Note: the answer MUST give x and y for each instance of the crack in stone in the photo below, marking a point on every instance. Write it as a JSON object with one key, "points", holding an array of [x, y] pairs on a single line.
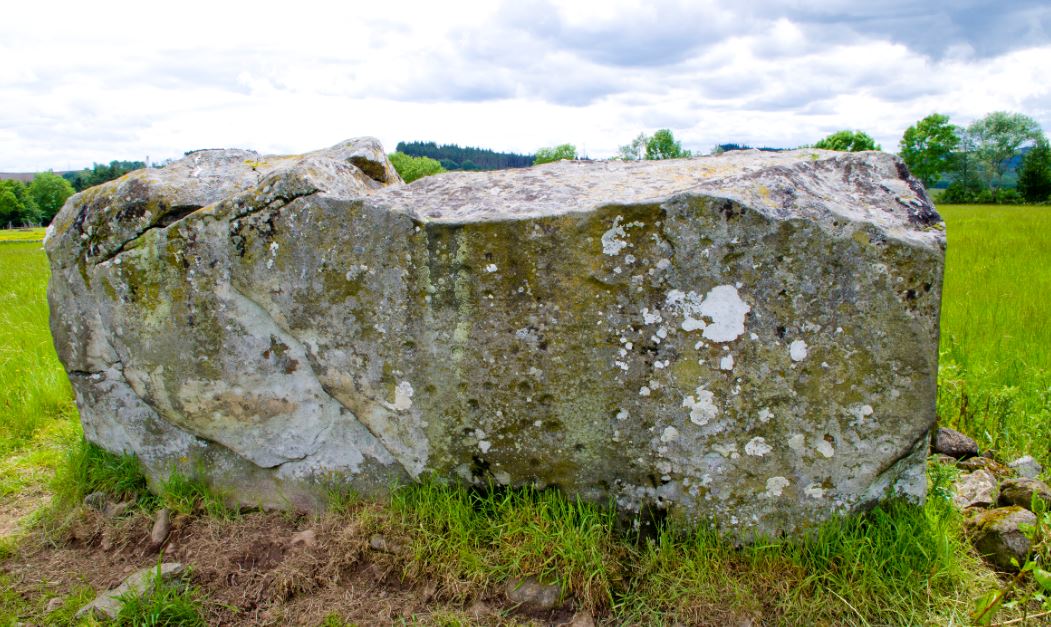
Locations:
{"points": [[289, 336]]}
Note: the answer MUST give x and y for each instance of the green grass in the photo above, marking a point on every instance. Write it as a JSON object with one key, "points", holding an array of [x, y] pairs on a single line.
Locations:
{"points": [[22, 235], [163, 603], [898, 564], [995, 373], [34, 389]]}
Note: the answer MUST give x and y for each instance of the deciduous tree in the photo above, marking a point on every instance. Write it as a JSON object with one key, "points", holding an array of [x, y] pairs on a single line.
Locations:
{"points": [[562, 151], [848, 141], [927, 147], [663, 146], [412, 168], [997, 138], [49, 192], [635, 150]]}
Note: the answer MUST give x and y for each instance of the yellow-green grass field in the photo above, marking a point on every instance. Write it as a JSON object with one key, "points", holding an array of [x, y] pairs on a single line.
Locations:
{"points": [[894, 566], [995, 370]]}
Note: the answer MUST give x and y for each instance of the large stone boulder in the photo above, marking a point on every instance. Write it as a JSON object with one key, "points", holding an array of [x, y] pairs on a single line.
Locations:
{"points": [[750, 337]]}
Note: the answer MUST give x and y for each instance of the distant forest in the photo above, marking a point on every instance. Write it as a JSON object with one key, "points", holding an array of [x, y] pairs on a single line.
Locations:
{"points": [[453, 157], [100, 173]]}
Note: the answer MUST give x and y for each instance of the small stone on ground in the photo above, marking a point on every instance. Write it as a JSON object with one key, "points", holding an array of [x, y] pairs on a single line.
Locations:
{"points": [[954, 444], [531, 594], [1027, 467], [997, 536], [107, 604], [1020, 492], [977, 489]]}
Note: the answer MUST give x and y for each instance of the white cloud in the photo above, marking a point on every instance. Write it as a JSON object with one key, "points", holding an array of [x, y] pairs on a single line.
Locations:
{"points": [[141, 80]]}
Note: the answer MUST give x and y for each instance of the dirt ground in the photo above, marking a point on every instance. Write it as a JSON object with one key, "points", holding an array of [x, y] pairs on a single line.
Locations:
{"points": [[256, 570]]}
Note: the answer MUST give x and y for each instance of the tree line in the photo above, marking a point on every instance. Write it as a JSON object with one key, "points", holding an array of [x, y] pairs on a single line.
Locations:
{"points": [[453, 157], [33, 203], [1002, 157]]}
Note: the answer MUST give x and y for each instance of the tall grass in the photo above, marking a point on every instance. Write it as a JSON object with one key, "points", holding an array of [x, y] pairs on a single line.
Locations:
{"points": [[34, 389], [995, 373]]}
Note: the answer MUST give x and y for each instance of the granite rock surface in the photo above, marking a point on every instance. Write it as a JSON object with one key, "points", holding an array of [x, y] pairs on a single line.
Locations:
{"points": [[750, 337]]}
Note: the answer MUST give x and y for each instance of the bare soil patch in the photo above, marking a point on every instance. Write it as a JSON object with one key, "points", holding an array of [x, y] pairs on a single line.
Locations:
{"points": [[251, 572]]}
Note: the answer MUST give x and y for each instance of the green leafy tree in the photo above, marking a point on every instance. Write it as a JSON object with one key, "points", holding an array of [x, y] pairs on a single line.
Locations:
{"points": [[635, 150], [562, 151], [998, 137], [663, 146], [49, 192], [23, 210], [848, 141], [412, 168], [10, 209], [1034, 177], [927, 147]]}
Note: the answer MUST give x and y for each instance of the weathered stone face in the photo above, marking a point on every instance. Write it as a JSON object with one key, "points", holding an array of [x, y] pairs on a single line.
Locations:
{"points": [[751, 337]]}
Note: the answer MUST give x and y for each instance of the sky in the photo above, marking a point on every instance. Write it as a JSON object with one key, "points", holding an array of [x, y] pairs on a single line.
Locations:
{"points": [[85, 82]]}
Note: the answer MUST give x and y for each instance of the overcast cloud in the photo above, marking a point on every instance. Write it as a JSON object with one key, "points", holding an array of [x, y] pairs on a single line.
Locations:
{"points": [[131, 79]]}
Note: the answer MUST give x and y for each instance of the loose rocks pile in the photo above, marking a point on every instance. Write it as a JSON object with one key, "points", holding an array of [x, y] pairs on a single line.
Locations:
{"points": [[996, 499]]}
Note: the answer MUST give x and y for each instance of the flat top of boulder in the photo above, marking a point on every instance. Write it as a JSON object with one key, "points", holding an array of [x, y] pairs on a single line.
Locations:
{"points": [[816, 184]]}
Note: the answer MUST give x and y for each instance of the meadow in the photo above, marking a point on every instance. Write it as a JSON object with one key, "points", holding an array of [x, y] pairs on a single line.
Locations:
{"points": [[896, 565]]}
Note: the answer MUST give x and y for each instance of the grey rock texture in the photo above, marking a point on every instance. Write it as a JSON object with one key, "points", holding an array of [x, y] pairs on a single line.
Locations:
{"points": [[998, 537], [750, 337], [976, 489], [1026, 466], [1020, 492], [953, 443]]}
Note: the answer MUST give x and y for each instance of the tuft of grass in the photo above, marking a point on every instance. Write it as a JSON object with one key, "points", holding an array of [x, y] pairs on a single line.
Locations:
{"points": [[90, 468], [465, 538], [187, 495], [163, 603], [994, 381]]}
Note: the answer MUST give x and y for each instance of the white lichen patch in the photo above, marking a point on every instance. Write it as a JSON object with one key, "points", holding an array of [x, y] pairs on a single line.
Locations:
{"points": [[765, 415], [757, 447], [650, 317], [611, 242], [670, 434], [726, 450], [775, 486], [491, 268], [797, 442], [644, 391], [722, 305], [692, 324], [825, 448], [814, 491], [726, 363], [702, 407], [484, 445], [402, 396], [273, 255], [860, 412], [797, 350], [727, 311]]}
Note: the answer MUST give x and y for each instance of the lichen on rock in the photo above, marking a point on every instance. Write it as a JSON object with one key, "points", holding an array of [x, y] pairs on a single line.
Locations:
{"points": [[750, 338]]}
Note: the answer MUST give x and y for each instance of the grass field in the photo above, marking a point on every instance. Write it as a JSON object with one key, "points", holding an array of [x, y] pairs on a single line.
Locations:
{"points": [[897, 565], [995, 371]]}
